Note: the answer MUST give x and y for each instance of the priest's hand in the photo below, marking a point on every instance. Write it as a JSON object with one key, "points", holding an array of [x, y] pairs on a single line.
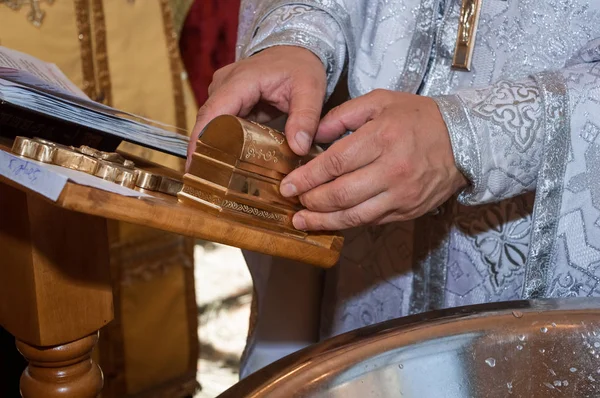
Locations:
{"points": [[280, 79], [397, 165]]}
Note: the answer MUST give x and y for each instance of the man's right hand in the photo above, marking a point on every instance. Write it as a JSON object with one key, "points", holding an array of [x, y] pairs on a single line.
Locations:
{"points": [[281, 79]]}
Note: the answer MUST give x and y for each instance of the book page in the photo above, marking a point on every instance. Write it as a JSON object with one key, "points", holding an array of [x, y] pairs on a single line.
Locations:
{"points": [[30, 71], [29, 83]]}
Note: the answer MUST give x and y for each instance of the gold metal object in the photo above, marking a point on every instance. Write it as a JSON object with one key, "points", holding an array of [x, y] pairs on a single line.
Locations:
{"points": [[106, 165], [108, 156], [236, 170], [155, 182], [467, 31]]}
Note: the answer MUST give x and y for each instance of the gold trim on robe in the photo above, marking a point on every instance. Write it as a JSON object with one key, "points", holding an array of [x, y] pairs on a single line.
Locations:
{"points": [[82, 16]]}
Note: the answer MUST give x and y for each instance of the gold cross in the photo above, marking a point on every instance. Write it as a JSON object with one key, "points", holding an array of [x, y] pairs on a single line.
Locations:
{"points": [[467, 30]]}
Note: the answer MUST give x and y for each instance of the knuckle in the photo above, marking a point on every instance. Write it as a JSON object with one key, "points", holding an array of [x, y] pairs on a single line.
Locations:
{"points": [[221, 73], [403, 169], [308, 114], [201, 112], [378, 93], [387, 137], [306, 181], [242, 75], [211, 88], [334, 164], [340, 197], [353, 219], [412, 196], [217, 75], [333, 112]]}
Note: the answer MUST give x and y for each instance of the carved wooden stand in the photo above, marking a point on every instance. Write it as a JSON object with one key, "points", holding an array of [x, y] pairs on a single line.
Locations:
{"points": [[55, 292]]}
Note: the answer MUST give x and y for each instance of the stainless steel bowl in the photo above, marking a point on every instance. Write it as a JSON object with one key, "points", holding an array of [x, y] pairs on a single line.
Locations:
{"points": [[546, 348]]}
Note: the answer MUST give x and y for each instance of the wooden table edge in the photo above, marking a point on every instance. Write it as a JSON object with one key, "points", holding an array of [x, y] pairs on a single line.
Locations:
{"points": [[166, 213]]}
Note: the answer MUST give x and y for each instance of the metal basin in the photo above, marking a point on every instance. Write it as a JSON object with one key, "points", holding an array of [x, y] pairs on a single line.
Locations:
{"points": [[545, 348]]}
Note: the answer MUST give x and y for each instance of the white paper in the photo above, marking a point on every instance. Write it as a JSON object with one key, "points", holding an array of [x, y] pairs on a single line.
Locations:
{"points": [[49, 180], [32, 175], [30, 70]]}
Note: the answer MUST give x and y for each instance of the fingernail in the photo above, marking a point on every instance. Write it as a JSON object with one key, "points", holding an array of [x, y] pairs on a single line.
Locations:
{"points": [[303, 140], [288, 189], [299, 222]]}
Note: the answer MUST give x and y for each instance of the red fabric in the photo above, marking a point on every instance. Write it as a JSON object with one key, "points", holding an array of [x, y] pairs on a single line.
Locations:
{"points": [[208, 40]]}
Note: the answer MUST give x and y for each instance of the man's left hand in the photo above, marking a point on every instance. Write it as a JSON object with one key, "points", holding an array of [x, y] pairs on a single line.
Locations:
{"points": [[397, 165]]}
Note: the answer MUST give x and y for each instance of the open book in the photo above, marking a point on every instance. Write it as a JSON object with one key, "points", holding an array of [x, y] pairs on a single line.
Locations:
{"points": [[31, 89]]}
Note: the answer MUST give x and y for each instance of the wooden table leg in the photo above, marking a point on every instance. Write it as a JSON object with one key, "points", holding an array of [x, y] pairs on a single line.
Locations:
{"points": [[55, 293], [53, 371]]}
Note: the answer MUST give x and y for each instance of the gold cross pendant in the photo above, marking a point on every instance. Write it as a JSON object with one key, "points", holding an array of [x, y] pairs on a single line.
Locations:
{"points": [[467, 30]]}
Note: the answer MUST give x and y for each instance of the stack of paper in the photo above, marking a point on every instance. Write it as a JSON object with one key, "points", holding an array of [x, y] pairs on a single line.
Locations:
{"points": [[41, 88]]}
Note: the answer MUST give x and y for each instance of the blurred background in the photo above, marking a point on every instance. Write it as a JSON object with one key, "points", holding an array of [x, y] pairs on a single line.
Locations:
{"points": [[224, 295]]}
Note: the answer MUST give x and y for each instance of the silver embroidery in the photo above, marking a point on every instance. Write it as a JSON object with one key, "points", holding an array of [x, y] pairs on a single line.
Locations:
{"points": [[516, 108], [505, 120], [430, 261], [500, 234], [417, 57], [547, 204], [464, 141], [590, 132]]}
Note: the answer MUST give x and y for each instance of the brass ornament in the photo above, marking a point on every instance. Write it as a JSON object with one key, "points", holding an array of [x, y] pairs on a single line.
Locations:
{"points": [[109, 166], [236, 170]]}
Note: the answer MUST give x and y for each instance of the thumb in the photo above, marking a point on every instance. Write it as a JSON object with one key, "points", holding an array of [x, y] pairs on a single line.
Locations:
{"points": [[304, 113]]}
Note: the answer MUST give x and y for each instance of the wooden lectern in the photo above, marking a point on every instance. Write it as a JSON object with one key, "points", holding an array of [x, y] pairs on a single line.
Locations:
{"points": [[55, 289]]}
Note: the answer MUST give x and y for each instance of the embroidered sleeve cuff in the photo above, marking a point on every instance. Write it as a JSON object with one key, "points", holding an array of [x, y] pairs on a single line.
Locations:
{"points": [[304, 27], [464, 144], [497, 137]]}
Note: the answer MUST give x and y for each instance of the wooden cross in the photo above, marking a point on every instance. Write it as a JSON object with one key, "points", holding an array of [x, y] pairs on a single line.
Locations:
{"points": [[467, 30]]}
